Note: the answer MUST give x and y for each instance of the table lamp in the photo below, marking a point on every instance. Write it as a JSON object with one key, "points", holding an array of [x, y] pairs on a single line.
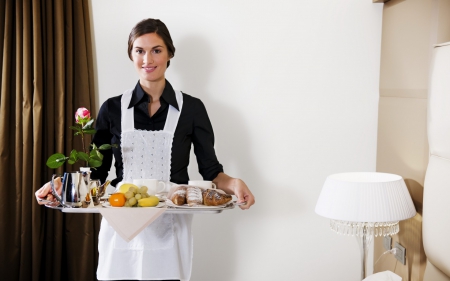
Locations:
{"points": [[365, 205]]}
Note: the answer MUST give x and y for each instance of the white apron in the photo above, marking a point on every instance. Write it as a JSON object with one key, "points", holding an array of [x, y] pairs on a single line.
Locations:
{"points": [[163, 250]]}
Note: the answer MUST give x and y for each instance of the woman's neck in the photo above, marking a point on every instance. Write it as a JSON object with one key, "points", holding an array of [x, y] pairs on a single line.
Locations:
{"points": [[153, 89]]}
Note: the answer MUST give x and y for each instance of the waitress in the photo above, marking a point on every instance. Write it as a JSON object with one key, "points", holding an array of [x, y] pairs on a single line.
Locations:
{"points": [[155, 126]]}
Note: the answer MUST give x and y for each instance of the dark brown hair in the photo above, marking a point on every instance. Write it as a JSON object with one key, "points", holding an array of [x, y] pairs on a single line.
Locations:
{"points": [[151, 26]]}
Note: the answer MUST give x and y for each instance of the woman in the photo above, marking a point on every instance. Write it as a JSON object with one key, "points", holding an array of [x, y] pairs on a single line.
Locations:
{"points": [[155, 126]]}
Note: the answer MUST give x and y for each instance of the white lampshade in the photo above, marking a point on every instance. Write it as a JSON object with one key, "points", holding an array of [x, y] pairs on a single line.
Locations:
{"points": [[365, 197]]}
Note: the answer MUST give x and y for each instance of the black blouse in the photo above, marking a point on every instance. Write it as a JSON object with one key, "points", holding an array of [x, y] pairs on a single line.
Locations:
{"points": [[194, 127]]}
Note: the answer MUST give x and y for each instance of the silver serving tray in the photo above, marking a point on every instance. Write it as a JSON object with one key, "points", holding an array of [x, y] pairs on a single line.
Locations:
{"points": [[170, 210]]}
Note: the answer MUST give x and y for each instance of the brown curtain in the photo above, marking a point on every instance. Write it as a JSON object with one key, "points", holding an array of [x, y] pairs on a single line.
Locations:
{"points": [[46, 74]]}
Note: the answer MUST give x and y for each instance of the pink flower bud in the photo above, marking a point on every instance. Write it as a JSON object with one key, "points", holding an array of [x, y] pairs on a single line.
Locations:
{"points": [[82, 115]]}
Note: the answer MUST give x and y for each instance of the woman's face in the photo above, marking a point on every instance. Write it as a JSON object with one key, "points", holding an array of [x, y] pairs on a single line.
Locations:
{"points": [[150, 57]]}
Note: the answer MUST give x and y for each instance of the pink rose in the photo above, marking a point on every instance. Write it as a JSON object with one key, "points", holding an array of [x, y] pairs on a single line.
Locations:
{"points": [[82, 115]]}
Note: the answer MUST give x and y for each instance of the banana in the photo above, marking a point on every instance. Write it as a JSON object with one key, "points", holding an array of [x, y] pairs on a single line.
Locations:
{"points": [[151, 201]]}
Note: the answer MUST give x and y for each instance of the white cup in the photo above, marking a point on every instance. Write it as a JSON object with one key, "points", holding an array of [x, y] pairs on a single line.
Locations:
{"points": [[154, 186], [203, 184]]}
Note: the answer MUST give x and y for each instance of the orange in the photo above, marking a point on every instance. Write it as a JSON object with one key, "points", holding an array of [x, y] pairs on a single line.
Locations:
{"points": [[117, 200]]}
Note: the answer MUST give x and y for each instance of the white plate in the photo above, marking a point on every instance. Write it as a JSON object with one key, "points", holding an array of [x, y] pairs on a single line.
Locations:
{"points": [[162, 196], [107, 205], [186, 206]]}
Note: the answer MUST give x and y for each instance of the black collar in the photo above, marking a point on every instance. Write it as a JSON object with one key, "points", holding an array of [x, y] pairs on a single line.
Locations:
{"points": [[168, 95]]}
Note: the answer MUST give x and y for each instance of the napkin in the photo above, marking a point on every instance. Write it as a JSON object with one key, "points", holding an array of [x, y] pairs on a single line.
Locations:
{"points": [[129, 222], [383, 276]]}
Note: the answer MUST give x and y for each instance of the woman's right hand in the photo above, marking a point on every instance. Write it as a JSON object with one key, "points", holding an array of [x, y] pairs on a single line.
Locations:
{"points": [[45, 193]]}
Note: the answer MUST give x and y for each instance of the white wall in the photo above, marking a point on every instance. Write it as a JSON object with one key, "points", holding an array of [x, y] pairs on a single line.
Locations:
{"points": [[291, 88]]}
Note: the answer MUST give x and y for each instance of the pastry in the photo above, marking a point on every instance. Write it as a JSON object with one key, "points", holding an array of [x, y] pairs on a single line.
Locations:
{"points": [[212, 197], [194, 196], [178, 196]]}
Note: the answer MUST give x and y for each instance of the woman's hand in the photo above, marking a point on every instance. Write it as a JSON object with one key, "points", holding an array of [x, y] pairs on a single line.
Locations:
{"points": [[237, 187], [45, 193], [243, 193]]}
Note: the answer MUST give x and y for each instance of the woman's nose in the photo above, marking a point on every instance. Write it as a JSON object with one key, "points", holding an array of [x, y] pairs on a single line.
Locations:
{"points": [[148, 58]]}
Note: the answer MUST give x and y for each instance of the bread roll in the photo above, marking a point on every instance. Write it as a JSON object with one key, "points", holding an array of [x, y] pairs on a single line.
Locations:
{"points": [[178, 196], [194, 196], [212, 197]]}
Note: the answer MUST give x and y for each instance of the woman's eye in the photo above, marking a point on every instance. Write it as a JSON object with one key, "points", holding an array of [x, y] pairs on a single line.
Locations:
{"points": [[139, 51], [157, 51]]}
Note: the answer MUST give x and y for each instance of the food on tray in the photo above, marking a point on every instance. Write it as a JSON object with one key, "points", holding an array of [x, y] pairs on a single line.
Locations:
{"points": [[178, 196], [117, 200], [93, 191], [194, 196], [212, 197], [151, 201], [132, 194], [197, 196], [126, 186]]}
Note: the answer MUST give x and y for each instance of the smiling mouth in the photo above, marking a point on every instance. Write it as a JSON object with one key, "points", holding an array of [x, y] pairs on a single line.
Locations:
{"points": [[149, 68]]}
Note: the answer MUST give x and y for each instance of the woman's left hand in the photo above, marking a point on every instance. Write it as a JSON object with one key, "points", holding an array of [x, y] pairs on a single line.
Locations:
{"points": [[243, 194], [237, 187]]}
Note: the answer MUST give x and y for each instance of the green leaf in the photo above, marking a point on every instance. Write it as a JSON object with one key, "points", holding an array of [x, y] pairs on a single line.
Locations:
{"points": [[99, 155], [83, 156], [73, 157], [94, 163], [105, 147], [73, 154], [88, 124], [56, 160], [89, 131], [96, 155], [78, 129]]}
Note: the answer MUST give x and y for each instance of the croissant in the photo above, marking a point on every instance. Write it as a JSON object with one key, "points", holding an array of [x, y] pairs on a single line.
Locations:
{"points": [[178, 196], [194, 196], [212, 197]]}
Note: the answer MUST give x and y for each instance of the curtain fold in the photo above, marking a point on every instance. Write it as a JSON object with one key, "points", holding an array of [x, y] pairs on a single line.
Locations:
{"points": [[46, 74]]}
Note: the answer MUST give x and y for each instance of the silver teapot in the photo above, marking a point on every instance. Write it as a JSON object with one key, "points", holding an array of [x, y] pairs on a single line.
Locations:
{"points": [[78, 189]]}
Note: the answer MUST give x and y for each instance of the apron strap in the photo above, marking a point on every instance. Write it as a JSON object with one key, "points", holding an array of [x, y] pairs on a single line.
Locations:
{"points": [[127, 113], [173, 115]]}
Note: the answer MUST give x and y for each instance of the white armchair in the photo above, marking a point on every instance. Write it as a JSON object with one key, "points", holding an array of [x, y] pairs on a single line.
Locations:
{"points": [[436, 201]]}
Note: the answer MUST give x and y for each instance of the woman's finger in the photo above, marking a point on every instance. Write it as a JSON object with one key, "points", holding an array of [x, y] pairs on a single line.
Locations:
{"points": [[58, 184], [250, 200]]}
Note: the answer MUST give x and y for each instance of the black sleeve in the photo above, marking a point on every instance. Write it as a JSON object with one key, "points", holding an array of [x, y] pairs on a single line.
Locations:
{"points": [[203, 140], [103, 136]]}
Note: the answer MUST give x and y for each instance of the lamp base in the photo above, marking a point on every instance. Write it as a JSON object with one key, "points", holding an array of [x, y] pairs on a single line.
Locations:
{"points": [[364, 246], [364, 233]]}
